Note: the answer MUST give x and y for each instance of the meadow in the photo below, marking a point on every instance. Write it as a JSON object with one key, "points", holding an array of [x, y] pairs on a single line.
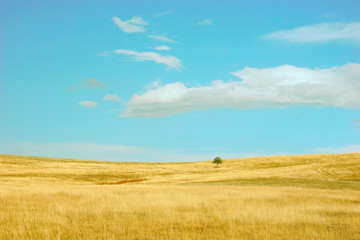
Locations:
{"points": [[279, 197]]}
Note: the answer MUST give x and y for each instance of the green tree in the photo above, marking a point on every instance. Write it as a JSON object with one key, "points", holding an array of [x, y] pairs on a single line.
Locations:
{"points": [[218, 161]]}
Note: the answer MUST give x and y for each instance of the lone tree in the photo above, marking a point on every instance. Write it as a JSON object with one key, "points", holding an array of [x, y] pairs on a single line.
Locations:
{"points": [[218, 161]]}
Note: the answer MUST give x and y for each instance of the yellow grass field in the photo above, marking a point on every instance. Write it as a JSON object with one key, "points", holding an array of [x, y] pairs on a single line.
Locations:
{"points": [[280, 197]]}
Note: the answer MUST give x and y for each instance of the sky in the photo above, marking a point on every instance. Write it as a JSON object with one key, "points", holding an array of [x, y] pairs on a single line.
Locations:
{"points": [[167, 81]]}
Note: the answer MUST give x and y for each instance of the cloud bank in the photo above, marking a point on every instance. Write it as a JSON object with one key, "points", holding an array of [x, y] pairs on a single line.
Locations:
{"points": [[168, 60], [134, 25], [276, 87], [342, 149], [114, 152], [319, 33]]}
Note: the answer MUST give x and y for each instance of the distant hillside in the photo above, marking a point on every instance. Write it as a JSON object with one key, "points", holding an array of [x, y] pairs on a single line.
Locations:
{"points": [[330, 171]]}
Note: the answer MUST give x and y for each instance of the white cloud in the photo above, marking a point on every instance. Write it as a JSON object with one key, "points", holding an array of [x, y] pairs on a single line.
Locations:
{"points": [[281, 86], [161, 38], [87, 104], [136, 24], [319, 33], [115, 152], [205, 22], [87, 83], [112, 98], [343, 149], [168, 60], [163, 47]]}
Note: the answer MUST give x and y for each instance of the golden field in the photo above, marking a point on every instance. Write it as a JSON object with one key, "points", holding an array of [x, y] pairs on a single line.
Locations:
{"points": [[280, 197]]}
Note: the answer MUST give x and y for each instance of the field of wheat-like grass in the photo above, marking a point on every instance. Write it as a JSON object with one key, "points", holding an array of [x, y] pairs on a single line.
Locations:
{"points": [[282, 197]]}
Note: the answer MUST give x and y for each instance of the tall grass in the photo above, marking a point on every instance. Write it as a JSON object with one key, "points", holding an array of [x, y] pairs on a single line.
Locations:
{"points": [[45, 199], [178, 212]]}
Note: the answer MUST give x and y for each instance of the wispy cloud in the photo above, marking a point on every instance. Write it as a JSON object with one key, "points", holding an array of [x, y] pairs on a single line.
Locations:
{"points": [[104, 54], [323, 32], [168, 60], [87, 104], [93, 83], [161, 14], [112, 98], [341, 149], [136, 24], [87, 83], [154, 84], [163, 47], [281, 86], [161, 38], [205, 22]]}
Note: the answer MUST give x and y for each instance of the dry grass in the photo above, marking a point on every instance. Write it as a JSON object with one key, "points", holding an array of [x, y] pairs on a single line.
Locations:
{"points": [[286, 197]]}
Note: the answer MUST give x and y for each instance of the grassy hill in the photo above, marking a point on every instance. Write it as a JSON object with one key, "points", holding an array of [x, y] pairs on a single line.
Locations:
{"points": [[280, 197], [334, 171]]}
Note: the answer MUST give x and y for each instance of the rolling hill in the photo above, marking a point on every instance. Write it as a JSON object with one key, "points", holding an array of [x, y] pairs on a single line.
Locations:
{"points": [[280, 197]]}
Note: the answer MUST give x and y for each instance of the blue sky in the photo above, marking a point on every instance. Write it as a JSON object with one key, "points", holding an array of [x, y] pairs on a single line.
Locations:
{"points": [[179, 80]]}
